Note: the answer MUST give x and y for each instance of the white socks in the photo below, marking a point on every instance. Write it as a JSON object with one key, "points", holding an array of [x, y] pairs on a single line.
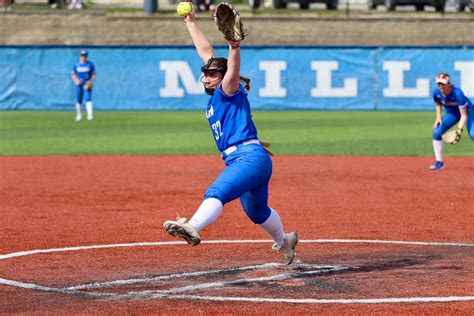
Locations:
{"points": [[438, 149], [211, 208], [78, 112], [274, 227], [206, 214], [89, 110]]}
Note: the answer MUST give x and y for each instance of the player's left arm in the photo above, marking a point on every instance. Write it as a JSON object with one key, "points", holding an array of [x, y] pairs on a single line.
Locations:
{"points": [[93, 74], [92, 78], [463, 119], [75, 78], [463, 102], [90, 82], [231, 81]]}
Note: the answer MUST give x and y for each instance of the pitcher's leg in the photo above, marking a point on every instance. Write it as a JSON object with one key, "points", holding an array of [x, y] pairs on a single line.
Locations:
{"points": [[206, 214], [255, 204], [274, 227], [240, 177]]}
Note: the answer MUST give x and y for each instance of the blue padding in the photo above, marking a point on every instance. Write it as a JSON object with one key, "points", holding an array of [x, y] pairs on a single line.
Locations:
{"points": [[283, 77]]}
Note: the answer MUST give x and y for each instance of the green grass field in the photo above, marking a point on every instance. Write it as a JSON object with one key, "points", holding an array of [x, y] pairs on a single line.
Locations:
{"points": [[188, 133]]}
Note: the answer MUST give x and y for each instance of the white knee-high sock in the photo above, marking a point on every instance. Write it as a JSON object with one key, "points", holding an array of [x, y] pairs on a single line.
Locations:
{"points": [[78, 109], [274, 227], [206, 214], [89, 109], [438, 149]]}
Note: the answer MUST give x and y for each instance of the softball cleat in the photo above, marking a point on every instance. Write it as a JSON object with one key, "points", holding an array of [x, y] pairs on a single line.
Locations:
{"points": [[288, 247], [180, 228], [438, 165]]}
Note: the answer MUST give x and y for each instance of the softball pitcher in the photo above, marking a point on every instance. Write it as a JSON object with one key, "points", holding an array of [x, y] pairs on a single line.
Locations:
{"points": [[83, 74], [249, 166], [459, 109]]}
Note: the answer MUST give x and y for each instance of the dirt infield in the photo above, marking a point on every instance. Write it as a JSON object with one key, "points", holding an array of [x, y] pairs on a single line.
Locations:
{"points": [[379, 235]]}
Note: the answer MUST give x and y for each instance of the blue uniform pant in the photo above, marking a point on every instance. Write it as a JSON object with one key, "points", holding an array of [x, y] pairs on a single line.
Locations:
{"points": [[247, 175], [83, 94], [450, 118], [470, 122]]}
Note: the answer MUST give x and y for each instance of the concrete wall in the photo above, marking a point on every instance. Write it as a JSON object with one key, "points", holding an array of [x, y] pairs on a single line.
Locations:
{"points": [[98, 28]]}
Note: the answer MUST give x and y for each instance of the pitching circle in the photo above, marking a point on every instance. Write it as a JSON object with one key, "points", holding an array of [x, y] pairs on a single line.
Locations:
{"points": [[77, 290]]}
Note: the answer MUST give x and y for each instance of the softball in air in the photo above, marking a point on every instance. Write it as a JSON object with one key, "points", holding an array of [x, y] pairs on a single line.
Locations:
{"points": [[184, 8]]}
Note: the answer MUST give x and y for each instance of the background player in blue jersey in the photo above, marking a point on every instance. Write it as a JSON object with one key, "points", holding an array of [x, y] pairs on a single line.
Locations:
{"points": [[83, 75], [249, 166], [458, 109]]}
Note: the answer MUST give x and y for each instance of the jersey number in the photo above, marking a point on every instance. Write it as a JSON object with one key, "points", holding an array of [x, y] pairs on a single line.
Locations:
{"points": [[216, 127]]}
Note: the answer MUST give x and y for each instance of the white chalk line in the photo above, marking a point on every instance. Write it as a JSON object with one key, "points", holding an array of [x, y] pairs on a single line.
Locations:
{"points": [[163, 293], [76, 289], [38, 287], [95, 285], [278, 277], [169, 243], [242, 299], [321, 301]]}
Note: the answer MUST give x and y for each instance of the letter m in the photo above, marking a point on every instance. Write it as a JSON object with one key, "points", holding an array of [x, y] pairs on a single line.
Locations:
{"points": [[174, 71]]}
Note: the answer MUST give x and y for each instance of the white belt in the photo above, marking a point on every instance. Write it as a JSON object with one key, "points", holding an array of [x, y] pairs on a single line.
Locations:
{"points": [[233, 148]]}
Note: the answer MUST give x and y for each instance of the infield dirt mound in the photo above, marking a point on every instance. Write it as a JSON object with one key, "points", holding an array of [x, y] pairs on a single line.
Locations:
{"points": [[56, 202]]}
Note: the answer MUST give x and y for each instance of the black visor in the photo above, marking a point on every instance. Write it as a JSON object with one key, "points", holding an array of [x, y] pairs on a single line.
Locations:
{"points": [[206, 67]]}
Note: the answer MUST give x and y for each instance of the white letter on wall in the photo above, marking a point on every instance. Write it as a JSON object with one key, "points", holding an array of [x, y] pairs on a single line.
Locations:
{"points": [[466, 68], [272, 88], [395, 87], [174, 70], [324, 87]]}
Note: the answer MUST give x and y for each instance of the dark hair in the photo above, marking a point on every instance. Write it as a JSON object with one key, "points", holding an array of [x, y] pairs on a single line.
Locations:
{"points": [[444, 77], [219, 64], [215, 64], [246, 82], [443, 74]]}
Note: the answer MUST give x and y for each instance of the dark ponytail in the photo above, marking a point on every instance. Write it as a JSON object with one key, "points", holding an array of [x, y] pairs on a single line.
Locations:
{"points": [[246, 82]]}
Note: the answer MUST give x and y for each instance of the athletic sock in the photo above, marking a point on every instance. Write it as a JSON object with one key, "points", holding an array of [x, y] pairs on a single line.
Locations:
{"points": [[89, 110], [438, 149], [206, 214], [78, 109], [274, 227]]}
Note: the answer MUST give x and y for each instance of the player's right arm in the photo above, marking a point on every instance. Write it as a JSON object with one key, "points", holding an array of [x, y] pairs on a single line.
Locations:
{"points": [[75, 78], [203, 47], [438, 120], [439, 108]]}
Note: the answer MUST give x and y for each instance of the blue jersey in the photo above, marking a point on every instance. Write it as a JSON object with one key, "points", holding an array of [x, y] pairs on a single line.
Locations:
{"points": [[454, 101], [84, 71], [230, 118]]}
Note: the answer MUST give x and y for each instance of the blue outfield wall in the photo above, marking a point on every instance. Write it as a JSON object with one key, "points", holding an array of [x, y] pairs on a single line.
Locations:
{"points": [[283, 78]]}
